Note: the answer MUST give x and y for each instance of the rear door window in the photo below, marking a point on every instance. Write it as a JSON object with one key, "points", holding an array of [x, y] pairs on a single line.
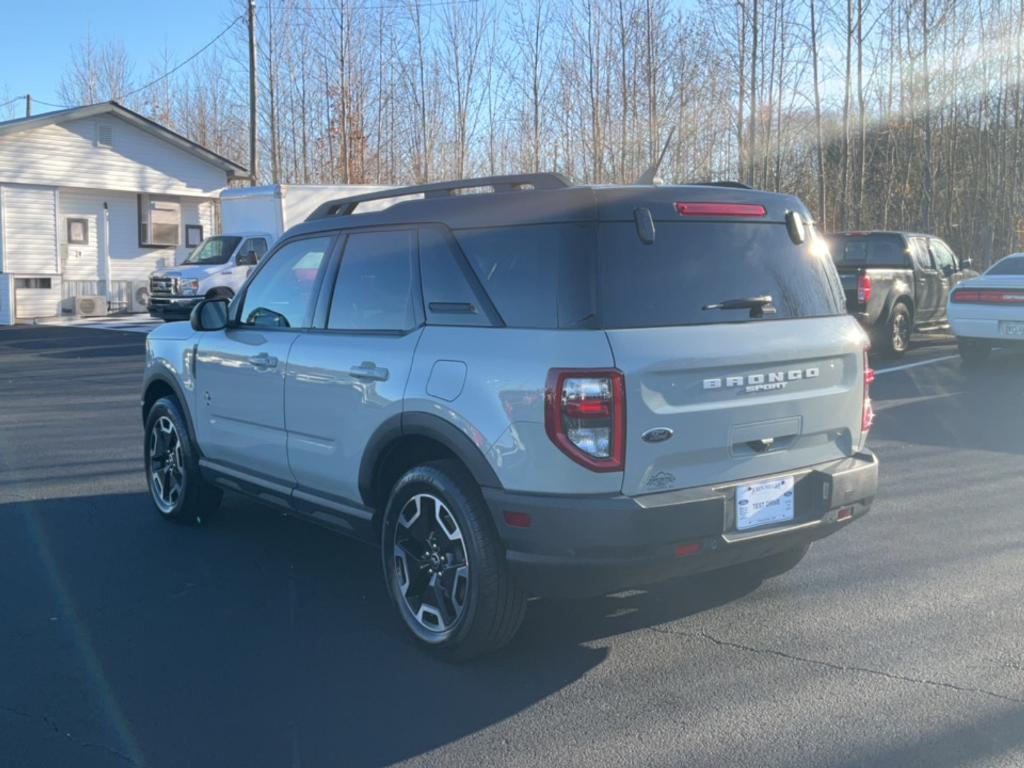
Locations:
{"points": [[373, 290], [868, 250], [693, 265]]}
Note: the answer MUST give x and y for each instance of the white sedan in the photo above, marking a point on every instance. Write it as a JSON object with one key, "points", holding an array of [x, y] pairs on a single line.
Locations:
{"points": [[988, 311]]}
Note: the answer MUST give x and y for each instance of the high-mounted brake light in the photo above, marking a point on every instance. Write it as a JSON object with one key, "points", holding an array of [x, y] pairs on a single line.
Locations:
{"points": [[585, 416], [721, 209], [987, 296], [867, 412], [864, 288]]}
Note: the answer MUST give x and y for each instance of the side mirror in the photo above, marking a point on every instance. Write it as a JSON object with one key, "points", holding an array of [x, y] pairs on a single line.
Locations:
{"points": [[247, 259], [966, 262], [210, 315]]}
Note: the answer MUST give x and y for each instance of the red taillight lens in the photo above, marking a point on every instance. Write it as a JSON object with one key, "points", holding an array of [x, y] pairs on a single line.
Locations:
{"points": [[585, 416], [867, 412], [720, 209], [864, 288], [987, 296]]}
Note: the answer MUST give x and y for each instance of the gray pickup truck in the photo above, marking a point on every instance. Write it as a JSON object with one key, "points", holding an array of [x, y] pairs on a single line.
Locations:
{"points": [[896, 282]]}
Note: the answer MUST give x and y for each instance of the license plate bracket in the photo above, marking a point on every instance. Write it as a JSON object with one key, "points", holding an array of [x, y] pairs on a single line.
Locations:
{"points": [[765, 502]]}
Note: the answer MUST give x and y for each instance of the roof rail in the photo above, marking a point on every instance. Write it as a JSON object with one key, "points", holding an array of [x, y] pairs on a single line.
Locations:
{"points": [[346, 205]]}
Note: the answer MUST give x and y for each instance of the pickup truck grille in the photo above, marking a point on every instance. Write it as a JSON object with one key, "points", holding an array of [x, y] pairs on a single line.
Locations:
{"points": [[163, 286]]}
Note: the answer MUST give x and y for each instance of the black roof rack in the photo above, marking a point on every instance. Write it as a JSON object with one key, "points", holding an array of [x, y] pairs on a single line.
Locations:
{"points": [[346, 205]]}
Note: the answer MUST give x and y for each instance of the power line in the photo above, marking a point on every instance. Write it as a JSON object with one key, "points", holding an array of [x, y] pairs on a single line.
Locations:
{"points": [[49, 104], [11, 101], [174, 69]]}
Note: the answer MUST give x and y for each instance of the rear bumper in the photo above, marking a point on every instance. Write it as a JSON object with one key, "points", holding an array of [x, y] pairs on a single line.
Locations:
{"points": [[176, 307], [985, 328], [592, 545]]}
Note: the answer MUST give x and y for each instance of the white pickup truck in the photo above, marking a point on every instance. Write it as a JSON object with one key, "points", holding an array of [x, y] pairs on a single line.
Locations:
{"points": [[252, 219]]}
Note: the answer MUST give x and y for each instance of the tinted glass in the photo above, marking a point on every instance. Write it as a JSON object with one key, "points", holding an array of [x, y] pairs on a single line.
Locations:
{"points": [[447, 295], [213, 250], [537, 276], [944, 258], [1012, 265], [868, 250], [373, 291], [919, 250], [281, 295], [692, 265]]}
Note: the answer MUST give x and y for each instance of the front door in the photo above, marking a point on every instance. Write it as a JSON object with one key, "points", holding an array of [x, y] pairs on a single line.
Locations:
{"points": [[240, 370], [346, 380], [946, 264]]}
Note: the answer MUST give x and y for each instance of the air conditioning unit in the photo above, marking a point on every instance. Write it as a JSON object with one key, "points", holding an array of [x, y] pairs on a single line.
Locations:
{"points": [[139, 299], [90, 306]]}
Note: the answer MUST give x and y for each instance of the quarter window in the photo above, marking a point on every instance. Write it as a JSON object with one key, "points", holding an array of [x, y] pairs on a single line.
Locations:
{"points": [[447, 294], [281, 295], [373, 291]]}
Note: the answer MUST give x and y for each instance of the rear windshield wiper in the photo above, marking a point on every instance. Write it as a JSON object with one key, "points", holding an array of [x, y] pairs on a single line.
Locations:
{"points": [[759, 306]]}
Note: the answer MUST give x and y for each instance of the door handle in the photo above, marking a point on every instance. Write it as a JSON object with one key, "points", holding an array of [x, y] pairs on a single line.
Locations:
{"points": [[263, 361], [368, 371]]}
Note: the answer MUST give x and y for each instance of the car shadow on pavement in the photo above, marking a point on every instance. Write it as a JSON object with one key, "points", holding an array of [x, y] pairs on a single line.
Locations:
{"points": [[256, 638]]}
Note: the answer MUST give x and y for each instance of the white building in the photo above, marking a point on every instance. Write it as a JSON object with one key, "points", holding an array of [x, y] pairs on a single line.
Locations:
{"points": [[92, 199]]}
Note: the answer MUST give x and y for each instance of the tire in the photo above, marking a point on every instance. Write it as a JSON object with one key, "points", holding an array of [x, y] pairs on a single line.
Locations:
{"points": [[773, 565], [444, 564], [177, 489], [973, 351], [895, 334]]}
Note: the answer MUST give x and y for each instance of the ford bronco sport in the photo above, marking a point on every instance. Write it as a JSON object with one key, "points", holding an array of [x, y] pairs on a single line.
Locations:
{"points": [[538, 389]]}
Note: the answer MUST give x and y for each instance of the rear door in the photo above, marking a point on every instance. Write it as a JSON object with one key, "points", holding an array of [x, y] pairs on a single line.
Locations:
{"points": [[348, 377], [927, 281], [742, 395], [945, 275]]}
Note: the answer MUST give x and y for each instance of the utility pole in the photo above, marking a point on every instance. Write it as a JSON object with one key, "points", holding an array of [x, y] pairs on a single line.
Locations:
{"points": [[253, 162], [28, 105]]}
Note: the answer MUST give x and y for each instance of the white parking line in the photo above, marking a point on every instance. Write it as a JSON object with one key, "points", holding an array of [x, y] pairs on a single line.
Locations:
{"points": [[893, 369]]}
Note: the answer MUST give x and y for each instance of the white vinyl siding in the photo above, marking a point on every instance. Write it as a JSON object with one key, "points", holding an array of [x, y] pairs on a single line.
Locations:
{"points": [[30, 230], [67, 154]]}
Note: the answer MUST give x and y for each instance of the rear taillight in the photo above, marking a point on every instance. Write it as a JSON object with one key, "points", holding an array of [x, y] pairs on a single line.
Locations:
{"points": [[585, 416], [867, 412], [987, 296], [864, 288], [721, 209]]}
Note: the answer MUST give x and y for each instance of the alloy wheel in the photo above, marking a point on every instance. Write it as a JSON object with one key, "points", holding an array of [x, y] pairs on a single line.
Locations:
{"points": [[166, 464], [430, 561], [900, 332]]}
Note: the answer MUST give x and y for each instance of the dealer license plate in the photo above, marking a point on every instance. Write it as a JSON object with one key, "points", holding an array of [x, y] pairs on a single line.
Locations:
{"points": [[1014, 330], [764, 503]]}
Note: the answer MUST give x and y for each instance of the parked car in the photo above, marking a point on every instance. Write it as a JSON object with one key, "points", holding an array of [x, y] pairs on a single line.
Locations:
{"points": [[988, 311], [896, 282], [217, 267], [541, 389]]}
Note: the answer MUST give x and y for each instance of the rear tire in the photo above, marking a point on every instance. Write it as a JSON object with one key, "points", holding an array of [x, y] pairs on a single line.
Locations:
{"points": [[444, 564], [177, 489], [895, 338], [974, 351]]}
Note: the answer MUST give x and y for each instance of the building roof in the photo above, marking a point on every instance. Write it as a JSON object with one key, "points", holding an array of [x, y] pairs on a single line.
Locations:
{"points": [[20, 124]]}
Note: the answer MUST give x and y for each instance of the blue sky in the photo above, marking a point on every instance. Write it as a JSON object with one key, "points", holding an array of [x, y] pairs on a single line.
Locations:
{"points": [[38, 36]]}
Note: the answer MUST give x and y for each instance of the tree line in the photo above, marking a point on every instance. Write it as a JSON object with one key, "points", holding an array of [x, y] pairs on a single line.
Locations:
{"points": [[900, 114]]}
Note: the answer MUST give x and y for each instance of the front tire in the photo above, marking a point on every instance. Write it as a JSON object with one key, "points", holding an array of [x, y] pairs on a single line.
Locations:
{"points": [[444, 564], [176, 487], [973, 351]]}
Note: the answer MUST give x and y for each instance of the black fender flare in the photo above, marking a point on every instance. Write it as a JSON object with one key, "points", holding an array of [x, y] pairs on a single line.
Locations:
{"points": [[424, 425], [900, 293], [179, 394]]}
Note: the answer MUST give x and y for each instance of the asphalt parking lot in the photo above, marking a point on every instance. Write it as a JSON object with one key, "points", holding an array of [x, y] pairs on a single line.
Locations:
{"points": [[258, 640]]}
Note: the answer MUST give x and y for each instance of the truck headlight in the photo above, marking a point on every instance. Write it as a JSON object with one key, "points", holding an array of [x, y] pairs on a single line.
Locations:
{"points": [[189, 287]]}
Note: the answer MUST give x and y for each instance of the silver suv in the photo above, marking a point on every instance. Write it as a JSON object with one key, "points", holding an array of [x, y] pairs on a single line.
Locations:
{"points": [[538, 389]]}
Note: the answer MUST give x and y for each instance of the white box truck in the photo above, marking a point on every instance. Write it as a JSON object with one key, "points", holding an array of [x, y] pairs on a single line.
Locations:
{"points": [[252, 219]]}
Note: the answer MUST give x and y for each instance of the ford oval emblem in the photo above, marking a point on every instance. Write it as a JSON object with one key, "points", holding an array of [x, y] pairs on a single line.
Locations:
{"points": [[657, 435]]}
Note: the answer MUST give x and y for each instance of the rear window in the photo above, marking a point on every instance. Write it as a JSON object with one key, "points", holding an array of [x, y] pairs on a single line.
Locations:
{"points": [[868, 250], [1011, 266], [693, 264]]}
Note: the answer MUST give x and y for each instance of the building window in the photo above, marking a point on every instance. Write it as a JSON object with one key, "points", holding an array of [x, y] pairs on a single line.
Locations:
{"points": [[159, 221], [193, 235], [78, 231], [38, 283]]}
